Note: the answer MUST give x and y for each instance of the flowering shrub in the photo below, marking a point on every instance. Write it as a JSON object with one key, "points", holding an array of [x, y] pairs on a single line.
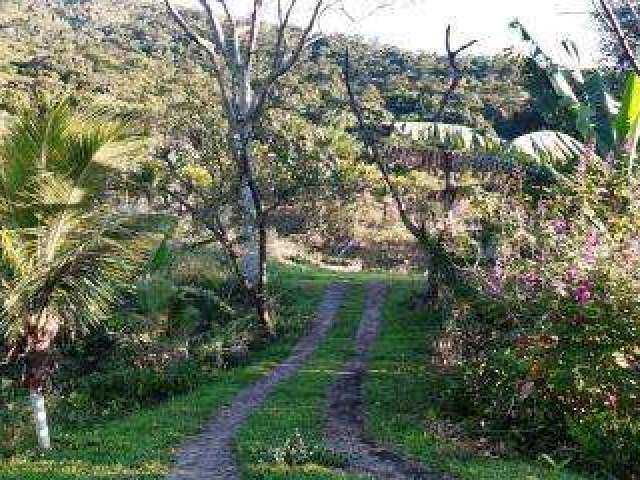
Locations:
{"points": [[556, 307]]}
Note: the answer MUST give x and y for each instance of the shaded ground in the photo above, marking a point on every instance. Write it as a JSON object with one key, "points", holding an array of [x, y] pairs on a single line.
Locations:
{"points": [[346, 411], [209, 455]]}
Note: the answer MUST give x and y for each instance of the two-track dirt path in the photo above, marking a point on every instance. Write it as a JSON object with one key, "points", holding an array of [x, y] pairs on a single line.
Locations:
{"points": [[209, 455], [346, 411]]}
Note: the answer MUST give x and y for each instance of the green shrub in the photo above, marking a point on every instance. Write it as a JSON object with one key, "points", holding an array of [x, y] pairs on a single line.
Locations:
{"points": [[133, 387], [610, 440], [155, 294], [15, 417], [553, 323]]}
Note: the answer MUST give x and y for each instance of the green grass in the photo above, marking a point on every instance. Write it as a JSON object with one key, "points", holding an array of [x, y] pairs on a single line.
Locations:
{"points": [[141, 444], [401, 394], [297, 406]]}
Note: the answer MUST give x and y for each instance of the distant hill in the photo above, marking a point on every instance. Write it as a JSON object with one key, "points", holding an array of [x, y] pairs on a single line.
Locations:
{"points": [[128, 53]]}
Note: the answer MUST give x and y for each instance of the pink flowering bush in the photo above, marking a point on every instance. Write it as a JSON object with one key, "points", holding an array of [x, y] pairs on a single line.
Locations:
{"points": [[553, 317]]}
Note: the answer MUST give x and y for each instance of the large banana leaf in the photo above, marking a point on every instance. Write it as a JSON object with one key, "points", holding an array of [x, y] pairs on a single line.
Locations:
{"points": [[629, 108], [589, 99], [603, 111], [566, 61], [451, 136], [547, 144], [550, 145]]}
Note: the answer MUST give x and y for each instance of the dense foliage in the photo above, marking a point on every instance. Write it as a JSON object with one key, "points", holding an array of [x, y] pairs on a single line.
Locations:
{"points": [[124, 53]]}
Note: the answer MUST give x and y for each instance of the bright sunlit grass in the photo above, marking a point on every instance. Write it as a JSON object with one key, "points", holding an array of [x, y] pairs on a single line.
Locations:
{"points": [[141, 445], [297, 406]]}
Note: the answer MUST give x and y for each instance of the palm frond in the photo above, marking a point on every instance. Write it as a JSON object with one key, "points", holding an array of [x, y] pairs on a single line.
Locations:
{"points": [[63, 250], [80, 267]]}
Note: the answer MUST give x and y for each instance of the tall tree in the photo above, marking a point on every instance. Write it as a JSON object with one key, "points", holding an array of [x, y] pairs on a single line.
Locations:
{"points": [[245, 81]]}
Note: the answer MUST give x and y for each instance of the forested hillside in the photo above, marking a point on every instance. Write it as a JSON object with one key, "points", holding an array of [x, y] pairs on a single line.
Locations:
{"points": [[122, 52]]}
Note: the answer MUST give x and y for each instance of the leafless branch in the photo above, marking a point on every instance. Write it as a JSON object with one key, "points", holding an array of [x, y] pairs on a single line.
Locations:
{"points": [[286, 64], [456, 73], [614, 24], [231, 22], [191, 33], [418, 231], [217, 33], [372, 12], [210, 217], [283, 25], [253, 32], [210, 49]]}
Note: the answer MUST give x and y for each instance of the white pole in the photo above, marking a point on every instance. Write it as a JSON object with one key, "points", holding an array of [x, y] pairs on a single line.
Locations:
{"points": [[40, 419]]}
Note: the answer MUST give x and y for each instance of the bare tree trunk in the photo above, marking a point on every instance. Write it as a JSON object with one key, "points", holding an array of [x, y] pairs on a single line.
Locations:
{"points": [[37, 372], [250, 254], [40, 419], [253, 259], [250, 259], [41, 332], [233, 71]]}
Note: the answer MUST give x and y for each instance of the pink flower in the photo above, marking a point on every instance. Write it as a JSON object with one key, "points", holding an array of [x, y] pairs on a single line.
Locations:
{"points": [[531, 279], [460, 208], [571, 275], [560, 226], [590, 246], [584, 292]]}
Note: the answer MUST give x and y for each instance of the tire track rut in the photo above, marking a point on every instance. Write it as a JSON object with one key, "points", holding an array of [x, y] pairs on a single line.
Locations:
{"points": [[346, 410]]}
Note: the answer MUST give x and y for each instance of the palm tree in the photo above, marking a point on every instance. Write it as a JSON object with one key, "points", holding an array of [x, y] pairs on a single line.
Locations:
{"points": [[65, 252]]}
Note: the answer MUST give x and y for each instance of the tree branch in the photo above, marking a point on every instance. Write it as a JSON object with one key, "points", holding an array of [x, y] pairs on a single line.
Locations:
{"points": [[234, 32], [283, 24], [256, 17], [285, 65], [210, 49], [191, 33], [217, 33], [456, 73]]}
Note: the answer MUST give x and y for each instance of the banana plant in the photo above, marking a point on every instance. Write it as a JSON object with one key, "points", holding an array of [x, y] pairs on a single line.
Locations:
{"points": [[613, 126], [556, 147]]}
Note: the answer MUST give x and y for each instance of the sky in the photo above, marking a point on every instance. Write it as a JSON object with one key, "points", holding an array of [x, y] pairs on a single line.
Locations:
{"points": [[421, 27], [420, 24]]}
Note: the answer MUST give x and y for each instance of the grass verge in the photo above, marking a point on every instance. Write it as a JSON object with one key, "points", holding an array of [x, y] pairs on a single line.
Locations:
{"points": [[284, 440], [402, 399], [140, 445]]}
